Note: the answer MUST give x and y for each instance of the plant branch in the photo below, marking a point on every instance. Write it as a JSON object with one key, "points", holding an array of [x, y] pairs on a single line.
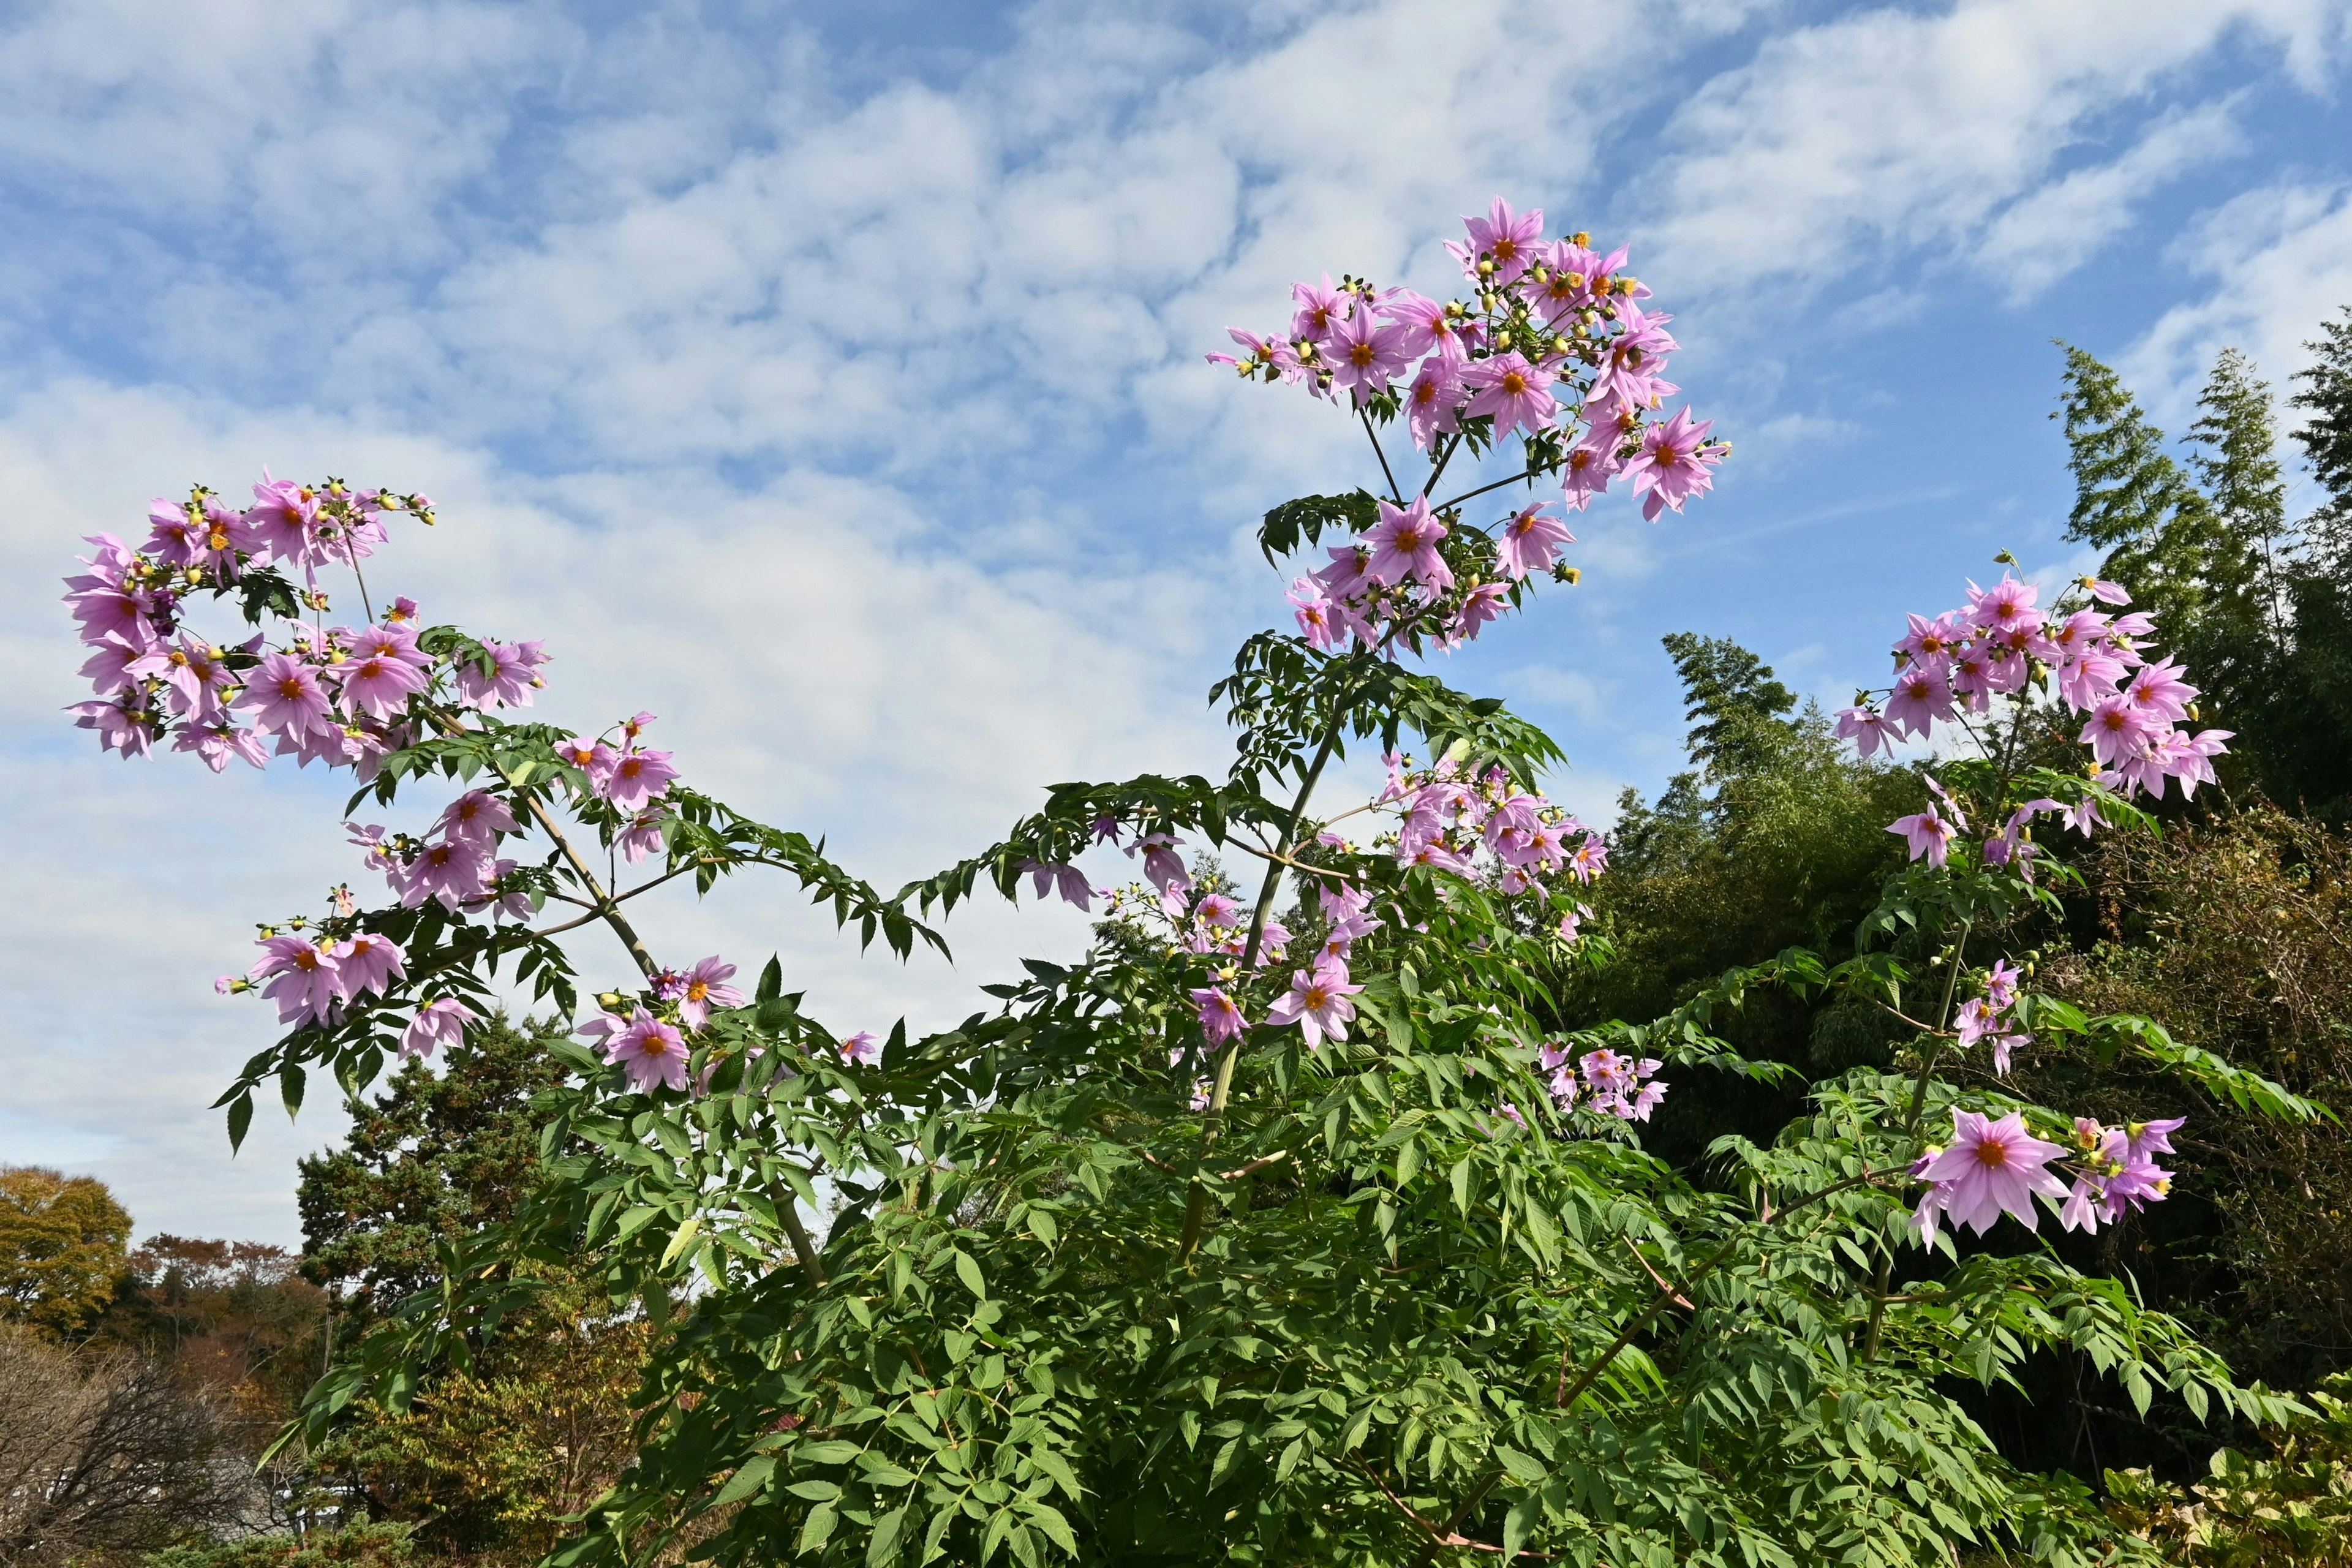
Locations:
{"points": [[1196, 1207], [1533, 472], [1365, 415], [1665, 1297]]}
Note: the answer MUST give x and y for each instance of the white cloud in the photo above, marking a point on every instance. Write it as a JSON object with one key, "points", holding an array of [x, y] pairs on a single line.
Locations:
{"points": [[2050, 232], [1876, 134], [2281, 262], [939, 336]]}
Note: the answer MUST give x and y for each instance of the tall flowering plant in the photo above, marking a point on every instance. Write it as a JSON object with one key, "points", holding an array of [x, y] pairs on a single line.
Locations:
{"points": [[1288, 1223]]}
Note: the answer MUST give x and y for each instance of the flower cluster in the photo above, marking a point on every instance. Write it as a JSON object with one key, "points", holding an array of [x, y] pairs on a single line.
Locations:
{"points": [[330, 695], [1553, 344], [1996, 1167], [649, 1045], [1987, 1017], [1446, 819], [631, 777], [1604, 1081], [2003, 644], [455, 862]]}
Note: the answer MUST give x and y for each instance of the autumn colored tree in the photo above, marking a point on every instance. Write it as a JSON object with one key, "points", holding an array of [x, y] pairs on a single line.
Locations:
{"points": [[62, 1248]]}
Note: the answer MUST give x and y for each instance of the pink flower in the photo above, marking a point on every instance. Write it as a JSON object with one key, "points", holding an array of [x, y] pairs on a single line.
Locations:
{"points": [[284, 696], [593, 758], [706, 988], [863, 1048], [649, 1051], [1320, 309], [1530, 541], [1317, 621], [1162, 866], [302, 975], [478, 817], [1404, 544], [1317, 1003], [1511, 242], [2105, 592], [1589, 464], [644, 838], [1514, 393], [636, 778], [366, 963], [1926, 833], [452, 870], [1930, 645], [513, 675], [2159, 692], [282, 522], [1675, 463], [379, 685], [1920, 696], [1433, 400], [217, 743], [1221, 1018], [1991, 1168], [1867, 728], [2118, 729], [2008, 604], [1363, 354], [390, 642], [1426, 325], [1631, 365], [1485, 601], [437, 1024], [1068, 879]]}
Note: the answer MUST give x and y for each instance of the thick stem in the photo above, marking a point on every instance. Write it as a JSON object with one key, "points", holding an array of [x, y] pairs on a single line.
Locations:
{"points": [[1196, 1206], [606, 906], [788, 1209]]}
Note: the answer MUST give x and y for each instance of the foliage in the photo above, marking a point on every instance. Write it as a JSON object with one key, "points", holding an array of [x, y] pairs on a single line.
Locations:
{"points": [[489, 1457], [62, 1248], [1190, 1250], [2233, 930], [2290, 1507], [364, 1544], [2253, 601], [1776, 838], [103, 1452], [435, 1156]]}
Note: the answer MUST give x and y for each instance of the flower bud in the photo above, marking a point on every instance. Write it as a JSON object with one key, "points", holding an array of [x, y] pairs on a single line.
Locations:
{"points": [[1485, 268], [1580, 239]]}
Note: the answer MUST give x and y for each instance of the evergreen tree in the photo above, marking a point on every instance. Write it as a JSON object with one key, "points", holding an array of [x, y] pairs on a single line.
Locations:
{"points": [[2320, 587], [2131, 499], [1729, 695], [439, 1157]]}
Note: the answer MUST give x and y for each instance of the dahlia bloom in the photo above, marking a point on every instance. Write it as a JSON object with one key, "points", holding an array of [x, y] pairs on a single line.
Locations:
{"points": [[436, 1024], [1991, 1168], [1317, 1003]]}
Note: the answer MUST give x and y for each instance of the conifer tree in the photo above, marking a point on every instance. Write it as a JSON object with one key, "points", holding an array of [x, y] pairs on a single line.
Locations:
{"points": [[2131, 499]]}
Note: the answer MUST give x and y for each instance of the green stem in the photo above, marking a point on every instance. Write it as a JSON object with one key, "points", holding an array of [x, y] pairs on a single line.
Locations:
{"points": [[1394, 491], [1873, 1334], [1196, 1206]]}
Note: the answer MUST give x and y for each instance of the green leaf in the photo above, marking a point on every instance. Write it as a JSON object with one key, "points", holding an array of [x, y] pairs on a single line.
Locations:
{"points": [[749, 1477], [884, 1545], [682, 1239], [969, 1272], [240, 1117]]}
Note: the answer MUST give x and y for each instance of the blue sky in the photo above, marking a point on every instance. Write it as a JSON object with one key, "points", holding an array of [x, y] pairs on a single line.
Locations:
{"points": [[826, 378]]}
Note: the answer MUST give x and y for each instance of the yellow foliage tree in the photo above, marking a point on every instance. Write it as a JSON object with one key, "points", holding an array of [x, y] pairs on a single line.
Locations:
{"points": [[64, 1246]]}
